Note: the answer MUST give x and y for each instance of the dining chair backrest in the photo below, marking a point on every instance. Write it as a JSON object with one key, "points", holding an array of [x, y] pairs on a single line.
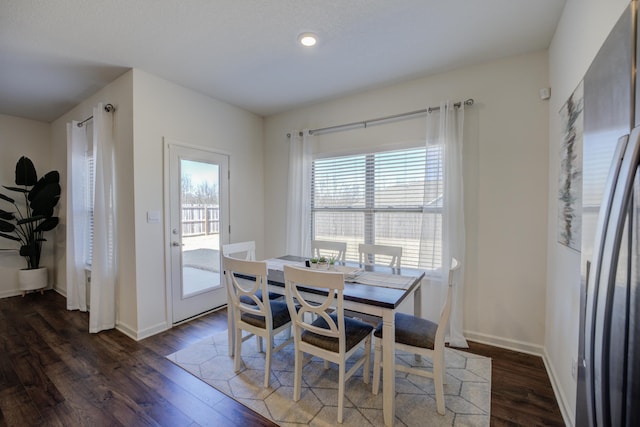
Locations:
{"points": [[329, 249], [237, 289], [324, 333], [248, 249], [333, 283], [368, 254]]}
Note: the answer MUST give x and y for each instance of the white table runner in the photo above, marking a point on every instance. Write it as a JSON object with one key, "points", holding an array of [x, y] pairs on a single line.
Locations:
{"points": [[353, 275]]}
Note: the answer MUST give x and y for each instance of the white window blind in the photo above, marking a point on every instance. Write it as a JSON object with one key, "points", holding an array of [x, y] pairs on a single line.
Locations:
{"points": [[89, 205], [380, 198]]}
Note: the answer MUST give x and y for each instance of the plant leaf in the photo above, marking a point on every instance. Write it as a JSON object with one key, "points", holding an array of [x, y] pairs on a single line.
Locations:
{"points": [[7, 215], [10, 237], [45, 198], [29, 220], [8, 199], [7, 227], [26, 172], [48, 224], [50, 181], [18, 189]]}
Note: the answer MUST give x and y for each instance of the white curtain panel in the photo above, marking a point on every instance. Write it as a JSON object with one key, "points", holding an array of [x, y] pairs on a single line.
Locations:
{"points": [[76, 220], [445, 130], [104, 265], [298, 225]]}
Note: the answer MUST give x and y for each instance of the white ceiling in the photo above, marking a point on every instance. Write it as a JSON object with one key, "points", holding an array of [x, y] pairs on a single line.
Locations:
{"points": [[56, 53]]}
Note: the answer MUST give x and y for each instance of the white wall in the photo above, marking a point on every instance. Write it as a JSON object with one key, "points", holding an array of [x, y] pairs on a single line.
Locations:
{"points": [[581, 31], [505, 178], [22, 137], [166, 110]]}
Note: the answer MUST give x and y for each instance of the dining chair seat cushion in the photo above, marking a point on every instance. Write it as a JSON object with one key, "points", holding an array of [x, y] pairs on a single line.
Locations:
{"points": [[413, 331], [279, 316], [247, 300], [354, 330]]}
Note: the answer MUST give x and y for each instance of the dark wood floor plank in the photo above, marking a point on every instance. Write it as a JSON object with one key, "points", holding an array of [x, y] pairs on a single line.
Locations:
{"points": [[18, 408], [56, 373]]}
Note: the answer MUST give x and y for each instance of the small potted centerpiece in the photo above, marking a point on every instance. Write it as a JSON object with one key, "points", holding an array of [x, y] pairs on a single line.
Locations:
{"points": [[323, 263], [30, 219]]}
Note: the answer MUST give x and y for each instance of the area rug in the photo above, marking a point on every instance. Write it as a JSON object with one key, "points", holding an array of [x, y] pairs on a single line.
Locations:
{"points": [[467, 391]]}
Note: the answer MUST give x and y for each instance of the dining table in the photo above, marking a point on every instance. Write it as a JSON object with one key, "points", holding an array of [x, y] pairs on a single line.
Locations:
{"points": [[375, 290]]}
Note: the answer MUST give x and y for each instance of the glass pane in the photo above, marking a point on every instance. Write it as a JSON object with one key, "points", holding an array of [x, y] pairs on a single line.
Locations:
{"points": [[386, 198], [200, 225], [342, 227], [339, 182]]}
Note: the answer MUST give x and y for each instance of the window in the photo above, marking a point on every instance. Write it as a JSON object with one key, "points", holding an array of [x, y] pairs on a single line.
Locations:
{"points": [[386, 198], [89, 200]]}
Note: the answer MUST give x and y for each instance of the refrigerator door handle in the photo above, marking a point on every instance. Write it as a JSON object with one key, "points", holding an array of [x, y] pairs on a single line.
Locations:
{"points": [[600, 357], [591, 336]]}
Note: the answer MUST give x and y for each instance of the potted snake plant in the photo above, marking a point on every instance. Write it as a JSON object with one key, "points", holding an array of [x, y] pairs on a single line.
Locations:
{"points": [[29, 215]]}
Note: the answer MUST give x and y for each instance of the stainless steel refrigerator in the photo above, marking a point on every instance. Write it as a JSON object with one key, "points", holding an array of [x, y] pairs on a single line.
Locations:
{"points": [[608, 392]]}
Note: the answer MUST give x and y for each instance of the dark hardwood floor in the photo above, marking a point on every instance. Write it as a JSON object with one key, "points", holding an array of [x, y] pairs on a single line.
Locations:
{"points": [[54, 373]]}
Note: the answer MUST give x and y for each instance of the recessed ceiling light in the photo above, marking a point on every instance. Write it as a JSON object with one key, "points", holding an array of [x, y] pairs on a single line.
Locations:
{"points": [[308, 39]]}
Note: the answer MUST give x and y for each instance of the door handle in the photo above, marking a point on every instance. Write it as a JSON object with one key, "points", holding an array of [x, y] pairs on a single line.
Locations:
{"points": [[176, 244]]}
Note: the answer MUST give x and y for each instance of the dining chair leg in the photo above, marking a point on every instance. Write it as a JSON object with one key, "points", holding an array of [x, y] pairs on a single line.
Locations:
{"points": [[238, 349], [377, 353], [367, 360], [297, 379], [341, 377], [230, 329], [437, 381], [267, 362]]}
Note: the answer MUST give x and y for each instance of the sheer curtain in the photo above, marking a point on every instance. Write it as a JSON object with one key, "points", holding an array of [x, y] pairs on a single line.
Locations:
{"points": [[104, 265], [76, 229], [298, 225], [102, 313], [445, 133]]}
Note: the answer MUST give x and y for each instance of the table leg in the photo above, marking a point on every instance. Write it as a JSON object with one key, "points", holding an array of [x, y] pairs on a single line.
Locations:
{"points": [[388, 368]]}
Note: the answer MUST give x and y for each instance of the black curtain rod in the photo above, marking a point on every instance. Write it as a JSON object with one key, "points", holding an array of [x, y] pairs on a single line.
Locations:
{"points": [[469, 102], [108, 108]]}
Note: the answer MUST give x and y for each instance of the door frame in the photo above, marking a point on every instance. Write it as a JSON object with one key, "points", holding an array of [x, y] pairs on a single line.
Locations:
{"points": [[225, 216]]}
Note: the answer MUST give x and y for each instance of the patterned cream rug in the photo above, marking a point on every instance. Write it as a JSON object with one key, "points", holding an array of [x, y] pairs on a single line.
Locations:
{"points": [[467, 392]]}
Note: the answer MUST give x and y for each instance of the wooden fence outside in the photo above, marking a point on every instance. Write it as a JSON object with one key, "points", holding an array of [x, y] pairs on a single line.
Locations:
{"points": [[198, 220]]}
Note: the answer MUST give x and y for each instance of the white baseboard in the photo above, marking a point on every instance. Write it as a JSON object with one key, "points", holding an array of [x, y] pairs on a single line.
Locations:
{"points": [[10, 293], [565, 409], [509, 344], [146, 333]]}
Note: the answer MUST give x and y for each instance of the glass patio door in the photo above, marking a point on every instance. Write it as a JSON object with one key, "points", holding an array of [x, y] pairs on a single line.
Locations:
{"points": [[198, 205]]}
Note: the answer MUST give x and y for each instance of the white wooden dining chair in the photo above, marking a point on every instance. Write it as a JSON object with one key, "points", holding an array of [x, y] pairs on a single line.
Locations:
{"points": [[328, 248], [422, 338], [246, 251], [241, 250], [368, 254], [260, 318], [330, 336]]}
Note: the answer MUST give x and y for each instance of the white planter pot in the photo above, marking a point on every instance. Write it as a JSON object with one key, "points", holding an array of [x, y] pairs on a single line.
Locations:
{"points": [[30, 280]]}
